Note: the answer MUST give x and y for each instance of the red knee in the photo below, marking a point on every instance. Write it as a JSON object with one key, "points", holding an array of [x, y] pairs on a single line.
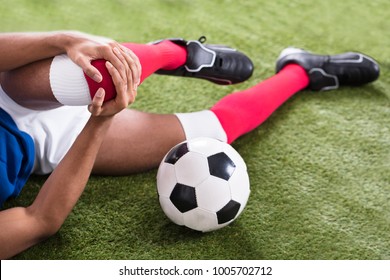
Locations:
{"points": [[107, 83]]}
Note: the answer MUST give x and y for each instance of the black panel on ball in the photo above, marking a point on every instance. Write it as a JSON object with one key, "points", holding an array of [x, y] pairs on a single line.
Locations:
{"points": [[176, 153], [221, 166], [228, 212], [183, 197]]}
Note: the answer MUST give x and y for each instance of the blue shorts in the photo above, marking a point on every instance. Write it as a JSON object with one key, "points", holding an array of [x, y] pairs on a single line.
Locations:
{"points": [[16, 157]]}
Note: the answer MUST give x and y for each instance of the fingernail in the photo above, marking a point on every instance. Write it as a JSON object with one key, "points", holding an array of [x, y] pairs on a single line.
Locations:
{"points": [[108, 64], [97, 78], [135, 87], [116, 50], [99, 93]]}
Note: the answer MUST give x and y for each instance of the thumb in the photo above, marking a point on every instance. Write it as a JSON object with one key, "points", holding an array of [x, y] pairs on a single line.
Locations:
{"points": [[97, 102]]}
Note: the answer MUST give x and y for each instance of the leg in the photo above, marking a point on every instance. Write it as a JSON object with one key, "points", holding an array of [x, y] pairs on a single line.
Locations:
{"points": [[29, 86], [241, 112], [36, 90], [137, 141], [141, 146], [48, 85]]}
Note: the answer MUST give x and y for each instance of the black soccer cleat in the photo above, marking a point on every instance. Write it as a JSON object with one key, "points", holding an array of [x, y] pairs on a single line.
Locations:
{"points": [[218, 64], [328, 72]]}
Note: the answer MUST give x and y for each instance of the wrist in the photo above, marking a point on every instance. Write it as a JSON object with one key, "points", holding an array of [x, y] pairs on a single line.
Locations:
{"points": [[63, 40], [101, 121]]}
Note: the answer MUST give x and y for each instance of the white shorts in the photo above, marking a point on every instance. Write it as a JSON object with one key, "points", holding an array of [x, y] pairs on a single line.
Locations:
{"points": [[53, 131]]}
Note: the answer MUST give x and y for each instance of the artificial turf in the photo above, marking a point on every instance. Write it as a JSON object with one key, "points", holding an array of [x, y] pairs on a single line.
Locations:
{"points": [[319, 166]]}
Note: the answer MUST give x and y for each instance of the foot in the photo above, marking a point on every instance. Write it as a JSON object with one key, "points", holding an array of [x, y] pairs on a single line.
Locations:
{"points": [[328, 72], [215, 63]]}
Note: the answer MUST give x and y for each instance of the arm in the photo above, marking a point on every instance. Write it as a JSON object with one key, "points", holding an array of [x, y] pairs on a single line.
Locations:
{"points": [[29, 85], [20, 49], [21, 227]]}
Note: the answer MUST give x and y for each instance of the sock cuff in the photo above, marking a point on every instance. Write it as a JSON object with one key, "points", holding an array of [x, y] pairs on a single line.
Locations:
{"points": [[202, 124], [68, 83]]}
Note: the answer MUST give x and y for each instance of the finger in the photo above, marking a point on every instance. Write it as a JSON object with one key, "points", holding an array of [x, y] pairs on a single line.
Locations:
{"points": [[132, 76], [90, 70], [131, 73], [123, 67], [109, 54], [135, 58], [132, 60], [120, 84], [97, 102]]}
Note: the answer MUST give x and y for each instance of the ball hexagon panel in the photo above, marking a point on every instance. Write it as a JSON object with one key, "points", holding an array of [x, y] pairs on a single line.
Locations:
{"points": [[213, 193], [221, 166], [234, 156], [183, 197], [206, 146], [166, 178], [176, 153], [191, 169]]}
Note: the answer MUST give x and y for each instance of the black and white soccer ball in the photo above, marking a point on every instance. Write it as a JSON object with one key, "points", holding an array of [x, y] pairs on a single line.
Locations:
{"points": [[203, 184]]}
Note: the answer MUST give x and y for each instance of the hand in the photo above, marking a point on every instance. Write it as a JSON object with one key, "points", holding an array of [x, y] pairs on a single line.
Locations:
{"points": [[83, 48], [126, 93]]}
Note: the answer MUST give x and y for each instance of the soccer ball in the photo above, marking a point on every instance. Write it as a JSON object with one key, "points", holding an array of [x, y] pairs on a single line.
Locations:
{"points": [[203, 184]]}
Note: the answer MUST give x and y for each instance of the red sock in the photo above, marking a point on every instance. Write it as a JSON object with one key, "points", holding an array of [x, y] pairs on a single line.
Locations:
{"points": [[241, 112], [165, 55]]}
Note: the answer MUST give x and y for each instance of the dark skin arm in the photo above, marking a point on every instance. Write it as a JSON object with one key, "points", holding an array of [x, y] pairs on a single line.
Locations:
{"points": [[37, 50], [23, 227], [19, 49]]}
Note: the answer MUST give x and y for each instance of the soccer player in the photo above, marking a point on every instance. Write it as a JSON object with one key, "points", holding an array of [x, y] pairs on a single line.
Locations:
{"points": [[48, 83]]}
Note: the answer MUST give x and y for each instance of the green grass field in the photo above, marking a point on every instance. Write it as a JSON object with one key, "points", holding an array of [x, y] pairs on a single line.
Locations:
{"points": [[319, 167]]}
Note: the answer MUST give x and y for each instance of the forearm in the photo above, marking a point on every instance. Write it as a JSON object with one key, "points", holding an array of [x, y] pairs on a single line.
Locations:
{"points": [[22, 228], [63, 188], [18, 49]]}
